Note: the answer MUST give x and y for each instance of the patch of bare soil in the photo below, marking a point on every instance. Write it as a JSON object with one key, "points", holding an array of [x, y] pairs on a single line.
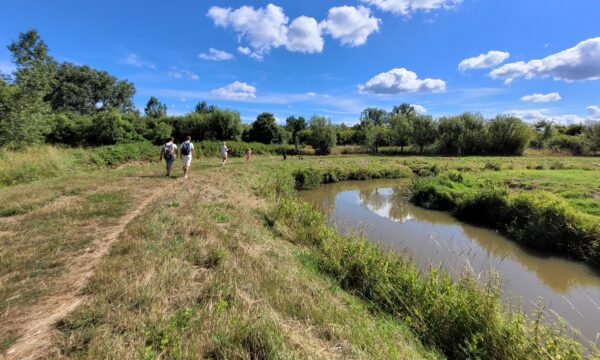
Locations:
{"points": [[597, 196], [37, 324]]}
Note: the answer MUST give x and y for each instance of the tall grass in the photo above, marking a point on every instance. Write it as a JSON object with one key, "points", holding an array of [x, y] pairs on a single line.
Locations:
{"points": [[459, 318], [44, 161], [535, 218]]}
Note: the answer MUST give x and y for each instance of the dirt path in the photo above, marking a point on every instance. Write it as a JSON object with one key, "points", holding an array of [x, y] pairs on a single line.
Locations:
{"points": [[37, 325]]}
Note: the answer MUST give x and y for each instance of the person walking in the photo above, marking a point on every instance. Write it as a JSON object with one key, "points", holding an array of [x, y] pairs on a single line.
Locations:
{"points": [[186, 151], [224, 153], [248, 155], [169, 153]]}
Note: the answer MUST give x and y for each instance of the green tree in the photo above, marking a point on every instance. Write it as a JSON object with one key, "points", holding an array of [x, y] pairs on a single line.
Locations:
{"points": [[202, 108], [106, 129], [592, 134], [323, 135], [474, 137], [222, 125], [375, 116], [508, 135], [404, 109], [424, 131], [401, 131], [23, 111], [264, 129], [155, 109], [294, 125], [450, 134], [36, 69], [86, 90], [575, 129]]}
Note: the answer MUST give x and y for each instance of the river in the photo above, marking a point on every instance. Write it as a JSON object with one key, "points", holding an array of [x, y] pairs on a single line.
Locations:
{"points": [[380, 211]]}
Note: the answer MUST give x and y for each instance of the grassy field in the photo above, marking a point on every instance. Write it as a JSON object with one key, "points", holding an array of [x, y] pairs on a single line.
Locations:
{"points": [[217, 267]]}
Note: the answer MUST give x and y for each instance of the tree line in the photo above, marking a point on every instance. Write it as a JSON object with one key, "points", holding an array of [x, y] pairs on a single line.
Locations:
{"points": [[45, 101]]}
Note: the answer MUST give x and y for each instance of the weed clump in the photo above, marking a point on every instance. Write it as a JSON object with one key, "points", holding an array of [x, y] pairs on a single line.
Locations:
{"points": [[215, 258]]}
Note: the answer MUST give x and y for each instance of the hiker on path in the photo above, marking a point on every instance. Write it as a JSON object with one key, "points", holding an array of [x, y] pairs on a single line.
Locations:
{"points": [[186, 151], [224, 154], [169, 152], [248, 155]]}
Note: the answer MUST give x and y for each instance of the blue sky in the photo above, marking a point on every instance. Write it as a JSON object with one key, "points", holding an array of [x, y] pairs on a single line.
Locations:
{"points": [[334, 58]]}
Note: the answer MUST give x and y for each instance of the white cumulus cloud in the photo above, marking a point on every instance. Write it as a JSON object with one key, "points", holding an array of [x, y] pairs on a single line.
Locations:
{"points": [[581, 62], [176, 73], [401, 80], [405, 7], [594, 111], [236, 91], [419, 108], [248, 52], [351, 25], [304, 35], [542, 98], [216, 55], [491, 59], [533, 115], [266, 28]]}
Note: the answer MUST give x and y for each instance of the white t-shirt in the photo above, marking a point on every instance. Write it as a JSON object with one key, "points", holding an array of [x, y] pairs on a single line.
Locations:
{"points": [[191, 148], [224, 150]]}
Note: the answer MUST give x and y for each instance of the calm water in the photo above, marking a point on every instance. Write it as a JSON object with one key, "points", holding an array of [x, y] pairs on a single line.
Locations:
{"points": [[380, 211]]}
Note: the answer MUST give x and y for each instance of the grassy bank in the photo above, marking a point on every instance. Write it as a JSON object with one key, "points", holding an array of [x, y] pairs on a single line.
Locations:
{"points": [[45, 162], [229, 264], [536, 218]]}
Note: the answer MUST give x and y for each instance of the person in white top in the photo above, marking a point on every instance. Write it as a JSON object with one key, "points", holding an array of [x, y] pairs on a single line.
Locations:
{"points": [[186, 151], [224, 154], [169, 153]]}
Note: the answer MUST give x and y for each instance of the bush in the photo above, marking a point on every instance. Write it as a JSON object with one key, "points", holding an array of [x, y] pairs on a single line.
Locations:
{"points": [[574, 145], [431, 194], [545, 221], [488, 206], [323, 136], [307, 179]]}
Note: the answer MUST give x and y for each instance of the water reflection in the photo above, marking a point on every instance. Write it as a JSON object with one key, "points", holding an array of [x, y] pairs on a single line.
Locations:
{"points": [[380, 210]]}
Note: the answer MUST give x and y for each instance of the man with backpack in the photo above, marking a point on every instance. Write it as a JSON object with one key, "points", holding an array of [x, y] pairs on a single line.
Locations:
{"points": [[187, 149], [169, 152]]}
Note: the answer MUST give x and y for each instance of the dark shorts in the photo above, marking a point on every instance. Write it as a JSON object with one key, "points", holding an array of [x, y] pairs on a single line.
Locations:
{"points": [[170, 161]]}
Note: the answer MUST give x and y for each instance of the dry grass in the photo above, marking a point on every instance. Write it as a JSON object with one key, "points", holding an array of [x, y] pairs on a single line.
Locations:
{"points": [[196, 275]]}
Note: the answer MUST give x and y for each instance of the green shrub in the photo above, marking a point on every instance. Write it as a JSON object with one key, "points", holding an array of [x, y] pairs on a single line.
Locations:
{"points": [[575, 145], [545, 221], [432, 195], [488, 206], [307, 179]]}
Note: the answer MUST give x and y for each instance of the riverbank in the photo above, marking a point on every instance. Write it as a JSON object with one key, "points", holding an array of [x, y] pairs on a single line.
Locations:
{"points": [[220, 266], [561, 217]]}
